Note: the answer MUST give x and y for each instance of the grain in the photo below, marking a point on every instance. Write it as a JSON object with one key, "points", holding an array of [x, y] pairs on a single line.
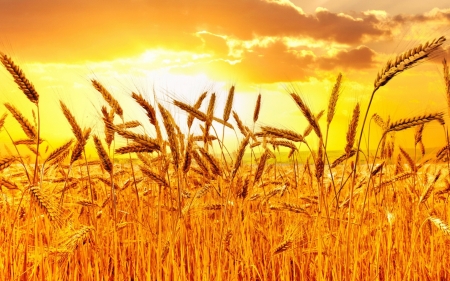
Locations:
{"points": [[406, 60], [19, 77]]}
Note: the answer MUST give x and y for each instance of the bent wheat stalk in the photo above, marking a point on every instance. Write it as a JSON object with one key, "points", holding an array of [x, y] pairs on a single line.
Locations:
{"points": [[402, 62]]}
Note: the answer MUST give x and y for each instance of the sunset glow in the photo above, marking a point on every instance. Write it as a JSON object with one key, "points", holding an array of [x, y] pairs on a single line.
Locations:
{"points": [[251, 140], [180, 49]]}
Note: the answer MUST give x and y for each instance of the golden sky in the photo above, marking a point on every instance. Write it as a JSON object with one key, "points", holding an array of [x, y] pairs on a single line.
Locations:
{"points": [[182, 48]]}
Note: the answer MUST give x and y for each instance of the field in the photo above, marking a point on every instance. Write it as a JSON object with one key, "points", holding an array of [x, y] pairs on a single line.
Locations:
{"points": [[171, 205]]}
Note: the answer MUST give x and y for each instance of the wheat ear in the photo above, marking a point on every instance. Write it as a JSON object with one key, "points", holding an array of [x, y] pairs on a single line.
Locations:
{"points": [[257, 109], [172, 136], [19, 77], [26, 126], [441, 225], [108, 97], [404, 124], [46, 202], [104, 158], [307, 113], [282, 133], [351, 132], [333, 99], [73, 123], [406, 60], [228, 105]]}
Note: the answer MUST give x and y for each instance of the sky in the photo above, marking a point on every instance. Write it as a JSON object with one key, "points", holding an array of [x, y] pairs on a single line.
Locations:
{"points": [[177, 49]]}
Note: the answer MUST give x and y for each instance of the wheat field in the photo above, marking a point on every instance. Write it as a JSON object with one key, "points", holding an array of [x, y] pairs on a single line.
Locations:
{"points": [[174, 205]]}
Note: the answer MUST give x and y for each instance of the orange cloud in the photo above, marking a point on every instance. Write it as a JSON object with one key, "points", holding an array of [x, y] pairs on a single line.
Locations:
{"points": [[100, 30], [359, 58]]}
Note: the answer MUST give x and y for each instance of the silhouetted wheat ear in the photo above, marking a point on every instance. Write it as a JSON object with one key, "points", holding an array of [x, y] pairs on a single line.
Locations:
{"points": [[213, 163], [19, 77], [209, 118], [228, 105], [277, 143], [409, 159], [79, 146], [282, 133], [308, 129], [403, 124], [240, 155], [257, 109], [171, 134], [73, 123], [158, 179], [447, 82], [307, 113], [151, 113], [196, 106], [406, 60], [108, 97], [188, 155], [104, 158], [129, 125], [418, 134], [108, 118], [351, 133], [27, 128], [6, 162], [261, 165], [60, 150], [379, 121], [2, 120], [134, 147], [334, 98]]}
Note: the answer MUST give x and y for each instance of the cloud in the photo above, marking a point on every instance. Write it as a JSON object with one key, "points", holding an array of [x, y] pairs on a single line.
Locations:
{"points": [[100, 30], [359, 58]]}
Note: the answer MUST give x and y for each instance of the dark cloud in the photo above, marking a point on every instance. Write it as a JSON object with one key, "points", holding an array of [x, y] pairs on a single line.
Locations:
{"points": [[278, 63], [359, 58], [422, 18]]}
